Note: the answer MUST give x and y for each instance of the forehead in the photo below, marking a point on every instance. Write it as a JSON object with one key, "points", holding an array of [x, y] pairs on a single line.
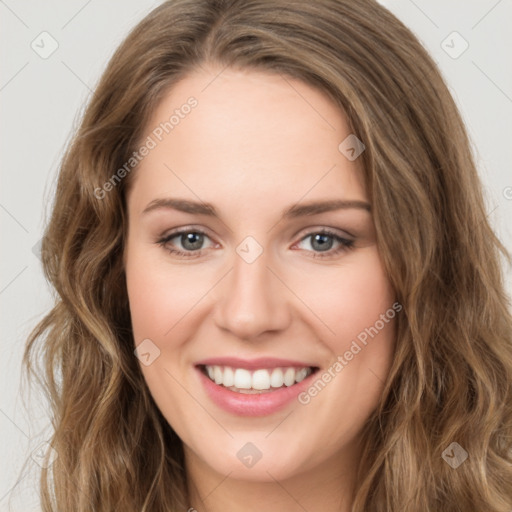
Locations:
{"points": [[248, 133]]}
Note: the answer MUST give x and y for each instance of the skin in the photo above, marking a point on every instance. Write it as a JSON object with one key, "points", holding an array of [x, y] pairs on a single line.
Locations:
{"points": [[256, 144]]}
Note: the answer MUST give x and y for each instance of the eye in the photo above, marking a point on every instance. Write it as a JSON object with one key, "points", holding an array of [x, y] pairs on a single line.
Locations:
{"points": [[191, 241], [322, 242]]}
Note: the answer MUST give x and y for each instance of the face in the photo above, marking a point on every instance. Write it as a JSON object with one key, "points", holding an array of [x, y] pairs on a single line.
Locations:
{"points": [[261, 312]]}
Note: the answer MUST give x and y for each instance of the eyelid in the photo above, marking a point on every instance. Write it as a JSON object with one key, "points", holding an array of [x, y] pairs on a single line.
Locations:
{"points": [[327, 229], [184, 229]]}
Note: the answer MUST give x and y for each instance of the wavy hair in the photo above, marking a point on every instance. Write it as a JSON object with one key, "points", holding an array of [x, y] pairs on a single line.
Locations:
{"points": [[451, 376]]}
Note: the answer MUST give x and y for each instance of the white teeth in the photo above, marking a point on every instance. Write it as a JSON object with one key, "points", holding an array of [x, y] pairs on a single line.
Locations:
{"points": [[228, 377], [277, 378], [289, 376], [259, 380], [301, 374], [242, 378], [217, 374]]}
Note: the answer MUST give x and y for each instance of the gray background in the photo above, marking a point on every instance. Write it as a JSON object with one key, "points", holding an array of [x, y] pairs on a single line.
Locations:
{"points": [[41, 100]]}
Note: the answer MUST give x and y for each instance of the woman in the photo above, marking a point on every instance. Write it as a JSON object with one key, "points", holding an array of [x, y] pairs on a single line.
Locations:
{"points": [[277, 285]]}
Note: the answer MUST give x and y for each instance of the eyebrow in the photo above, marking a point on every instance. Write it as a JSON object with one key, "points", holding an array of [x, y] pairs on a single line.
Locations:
{"points": [[294, 211]]}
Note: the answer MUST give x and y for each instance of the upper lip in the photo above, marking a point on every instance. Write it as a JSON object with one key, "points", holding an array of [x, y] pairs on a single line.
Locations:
{"points": [[251, 364]]}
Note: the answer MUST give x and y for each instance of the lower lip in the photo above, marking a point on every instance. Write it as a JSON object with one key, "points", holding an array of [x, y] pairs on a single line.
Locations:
{"points": [[245, 404]]}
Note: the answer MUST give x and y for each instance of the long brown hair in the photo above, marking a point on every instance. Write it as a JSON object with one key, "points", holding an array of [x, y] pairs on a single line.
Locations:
{"points": [[451, 378]]}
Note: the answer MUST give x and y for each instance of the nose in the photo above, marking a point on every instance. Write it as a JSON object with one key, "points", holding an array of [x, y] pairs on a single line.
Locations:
{"points": [[253, 300]]}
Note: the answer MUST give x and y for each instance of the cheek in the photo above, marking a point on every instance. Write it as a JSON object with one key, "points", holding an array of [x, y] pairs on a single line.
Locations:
{"points": [[349, 387], [351, 298], [160, 295]]}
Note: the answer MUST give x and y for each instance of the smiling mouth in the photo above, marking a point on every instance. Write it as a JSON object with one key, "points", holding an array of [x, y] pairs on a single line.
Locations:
{"points": [[261, 380]]}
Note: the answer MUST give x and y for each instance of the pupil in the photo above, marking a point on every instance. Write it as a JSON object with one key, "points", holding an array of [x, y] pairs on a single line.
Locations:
{"points": [[324, 246], [193, 240]]}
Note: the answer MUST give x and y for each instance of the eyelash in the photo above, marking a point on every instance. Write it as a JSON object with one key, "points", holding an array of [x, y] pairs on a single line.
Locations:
{"points": [[345, 243]]}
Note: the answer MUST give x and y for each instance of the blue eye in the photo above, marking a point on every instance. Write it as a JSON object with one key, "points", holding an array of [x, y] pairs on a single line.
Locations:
{"points": [[192, 241], [324, 240]]}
